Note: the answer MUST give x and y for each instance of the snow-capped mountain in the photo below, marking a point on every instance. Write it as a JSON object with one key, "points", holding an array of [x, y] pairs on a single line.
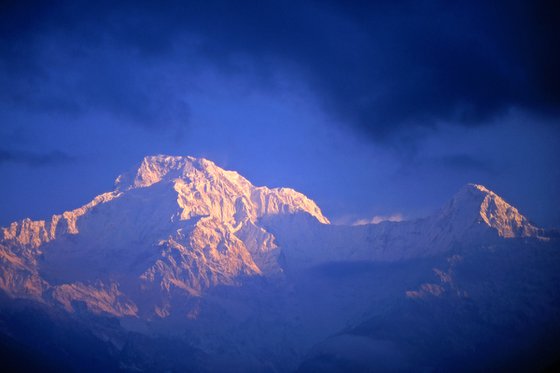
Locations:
{"points": [[175, 224], [181, 244]]}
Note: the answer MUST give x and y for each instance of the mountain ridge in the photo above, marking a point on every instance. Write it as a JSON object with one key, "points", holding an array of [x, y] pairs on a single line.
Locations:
{"points": [[183, 224]]}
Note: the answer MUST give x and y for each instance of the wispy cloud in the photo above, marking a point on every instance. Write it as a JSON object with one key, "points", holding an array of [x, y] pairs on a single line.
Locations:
{"points": [[379, 218]]}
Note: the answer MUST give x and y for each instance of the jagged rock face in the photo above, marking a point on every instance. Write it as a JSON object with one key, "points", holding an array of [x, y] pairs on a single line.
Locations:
{"points": [[176, 226]]}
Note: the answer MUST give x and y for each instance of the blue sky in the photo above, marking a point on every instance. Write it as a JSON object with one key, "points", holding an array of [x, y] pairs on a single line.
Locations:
{"points": [[371, 109]]}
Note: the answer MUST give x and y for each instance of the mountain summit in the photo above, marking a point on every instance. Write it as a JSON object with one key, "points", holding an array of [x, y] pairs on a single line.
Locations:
{"points": [[206, 189], [475, 208]]}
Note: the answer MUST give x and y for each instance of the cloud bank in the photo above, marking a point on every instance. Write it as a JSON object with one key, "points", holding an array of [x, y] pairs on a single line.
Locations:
{"points": [[386, 69]]}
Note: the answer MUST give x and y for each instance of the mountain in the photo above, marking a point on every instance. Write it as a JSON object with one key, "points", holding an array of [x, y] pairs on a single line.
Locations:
{"points": [[173, 225], [184, 253]]}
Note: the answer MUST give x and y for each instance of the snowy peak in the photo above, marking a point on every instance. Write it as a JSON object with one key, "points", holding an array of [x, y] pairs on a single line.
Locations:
{"points": [[156, 168], [476, 205], [204, 189]]}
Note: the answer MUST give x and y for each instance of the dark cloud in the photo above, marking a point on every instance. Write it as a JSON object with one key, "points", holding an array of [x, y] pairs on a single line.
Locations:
{"points": [[73, 58], [382, 67], [35, 159]]}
